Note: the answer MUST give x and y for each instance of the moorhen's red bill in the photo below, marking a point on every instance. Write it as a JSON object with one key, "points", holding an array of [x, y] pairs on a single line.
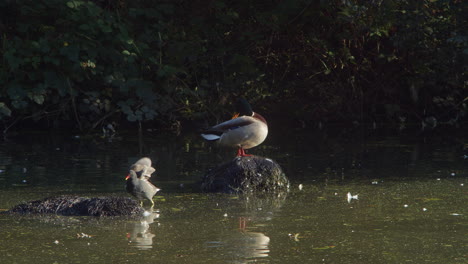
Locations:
{"points": [[137, 181]]}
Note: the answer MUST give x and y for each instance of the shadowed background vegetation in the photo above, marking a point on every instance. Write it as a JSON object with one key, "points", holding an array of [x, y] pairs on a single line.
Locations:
{"points": [[79, 64]]}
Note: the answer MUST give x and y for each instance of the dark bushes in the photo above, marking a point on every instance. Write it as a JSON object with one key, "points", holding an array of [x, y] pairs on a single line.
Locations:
{"points": [[91, 61]]}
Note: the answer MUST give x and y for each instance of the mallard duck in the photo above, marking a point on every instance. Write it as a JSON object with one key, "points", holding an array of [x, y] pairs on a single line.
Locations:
{"points": [[245, 130], [137, 181]]}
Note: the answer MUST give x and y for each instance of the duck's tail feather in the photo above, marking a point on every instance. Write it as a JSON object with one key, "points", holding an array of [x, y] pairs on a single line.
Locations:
{"points": [[210, 137]]}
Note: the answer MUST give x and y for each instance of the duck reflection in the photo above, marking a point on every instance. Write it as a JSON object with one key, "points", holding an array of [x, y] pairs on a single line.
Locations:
{"points": [[245, 243], [249, 243], [253, 244], [140, 235], [256, 245], [243, 246]]}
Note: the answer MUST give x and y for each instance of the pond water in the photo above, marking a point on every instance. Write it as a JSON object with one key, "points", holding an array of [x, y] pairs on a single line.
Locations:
{"points": [[407, 200]]}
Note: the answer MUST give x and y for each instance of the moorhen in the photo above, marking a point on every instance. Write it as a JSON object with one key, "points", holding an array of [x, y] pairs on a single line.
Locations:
{"points": [[245, 130], [137, 181]]}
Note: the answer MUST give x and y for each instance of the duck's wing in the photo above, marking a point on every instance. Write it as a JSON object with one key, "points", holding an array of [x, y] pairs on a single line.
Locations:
{"points": [[137, 167], [216, 131], [147, 171], [141, 164], [144, 161]]}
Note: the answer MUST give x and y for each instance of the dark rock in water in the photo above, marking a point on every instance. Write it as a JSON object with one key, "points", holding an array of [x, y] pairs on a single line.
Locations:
{"points": [[252, 174], [75, 206]]}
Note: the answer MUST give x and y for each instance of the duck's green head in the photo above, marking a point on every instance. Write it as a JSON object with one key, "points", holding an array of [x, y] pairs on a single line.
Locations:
{"points": [[243, 107]]}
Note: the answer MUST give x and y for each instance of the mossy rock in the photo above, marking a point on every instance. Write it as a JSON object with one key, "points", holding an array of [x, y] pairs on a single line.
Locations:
{"points": [[252, 174], [81, 206]]}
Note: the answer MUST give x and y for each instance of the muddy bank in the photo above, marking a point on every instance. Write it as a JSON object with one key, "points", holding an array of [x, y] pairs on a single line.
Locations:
{"points": [[80, 206]]}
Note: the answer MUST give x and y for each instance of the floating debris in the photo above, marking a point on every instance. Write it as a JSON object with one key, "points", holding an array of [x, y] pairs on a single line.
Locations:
{"points": [[375, 182], [225, 215], [325, 247], [56, 242], [83, 235], [351, 197], [455, 214], [406, 206], [294, 236], [424, 209], [452, 174], [300, 187]]}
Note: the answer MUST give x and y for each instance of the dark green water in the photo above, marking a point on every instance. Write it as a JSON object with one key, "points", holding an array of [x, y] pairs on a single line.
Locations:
{"points": [[411, 206]]}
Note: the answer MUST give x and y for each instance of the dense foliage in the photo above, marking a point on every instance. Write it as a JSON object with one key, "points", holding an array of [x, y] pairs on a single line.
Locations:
{"points": [[89, 62]]}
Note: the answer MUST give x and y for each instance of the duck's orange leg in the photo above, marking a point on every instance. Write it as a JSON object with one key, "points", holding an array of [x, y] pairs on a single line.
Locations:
{"points": [[241, 153]]}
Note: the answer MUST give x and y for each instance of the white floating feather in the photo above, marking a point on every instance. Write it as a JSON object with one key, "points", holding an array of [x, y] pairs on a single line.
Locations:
{"points": [[351, 197]]}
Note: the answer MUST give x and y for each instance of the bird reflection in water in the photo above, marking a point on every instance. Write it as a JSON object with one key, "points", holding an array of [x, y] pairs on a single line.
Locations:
{"points": [[254, 244], [245, 243], [140, 236], [242, 245]]}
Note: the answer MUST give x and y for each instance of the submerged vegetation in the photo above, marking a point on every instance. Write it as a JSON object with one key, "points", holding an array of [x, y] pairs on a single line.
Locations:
{"points": [[83, 63]]}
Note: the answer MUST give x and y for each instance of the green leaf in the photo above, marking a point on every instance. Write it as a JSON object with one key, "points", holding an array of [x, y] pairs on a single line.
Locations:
{"points": [[38, 98], [144, 92], [106, 28], [4, 109], [15, 91], [71, 52], [150, 115], [84, 27], [166, 71], [19, 104], [131, 118], [13, 61], [74, 4], [144, 109]]}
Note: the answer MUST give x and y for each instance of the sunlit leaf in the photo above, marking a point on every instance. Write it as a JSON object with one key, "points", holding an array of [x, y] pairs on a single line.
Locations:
{"points": [[38, 98], [325, 247], [431, 199], [4, 109], [74, 4]]}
